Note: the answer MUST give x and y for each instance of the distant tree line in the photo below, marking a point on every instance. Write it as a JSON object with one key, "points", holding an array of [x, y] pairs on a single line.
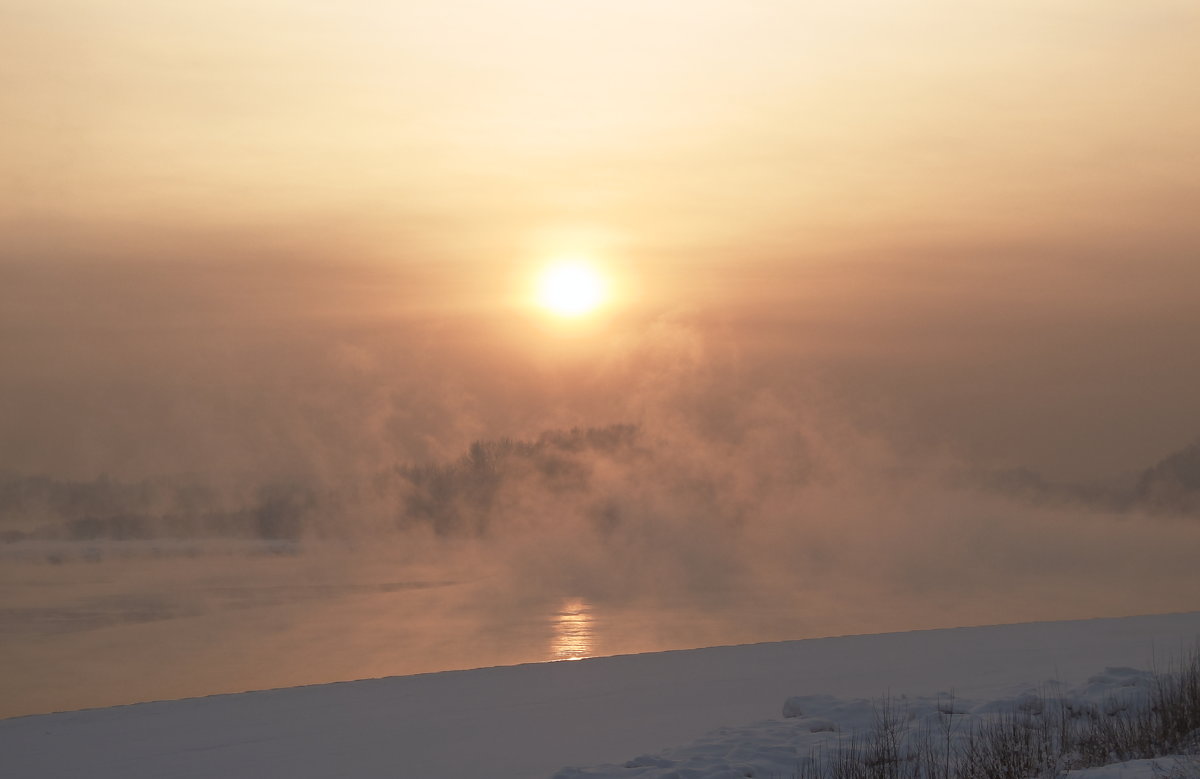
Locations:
{"points": [[464, 496], [1170, 486], [460, 496], [40, 507], [452, 498]]}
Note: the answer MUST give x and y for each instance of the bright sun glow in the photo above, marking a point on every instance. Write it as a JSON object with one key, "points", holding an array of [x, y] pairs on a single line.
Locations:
{"points": [[571, 288]]}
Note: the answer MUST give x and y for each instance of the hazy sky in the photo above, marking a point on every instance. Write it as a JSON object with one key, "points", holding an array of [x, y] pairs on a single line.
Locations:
{"points": [[254, 235]]}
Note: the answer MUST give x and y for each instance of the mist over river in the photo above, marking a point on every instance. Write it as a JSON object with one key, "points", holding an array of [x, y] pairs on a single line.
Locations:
{"points": [[580, 543]]}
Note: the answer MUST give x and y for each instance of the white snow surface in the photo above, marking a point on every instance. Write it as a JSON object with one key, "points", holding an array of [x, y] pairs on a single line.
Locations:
{"points": [[707, 713], [1170, 767], [817, 724]]}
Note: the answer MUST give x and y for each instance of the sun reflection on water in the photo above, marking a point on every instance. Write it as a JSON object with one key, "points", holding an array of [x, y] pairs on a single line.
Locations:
{"points": [[573, 631]]}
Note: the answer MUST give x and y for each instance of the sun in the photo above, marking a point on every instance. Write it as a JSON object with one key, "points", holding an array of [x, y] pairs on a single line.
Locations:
{"points": [[571, 288]]}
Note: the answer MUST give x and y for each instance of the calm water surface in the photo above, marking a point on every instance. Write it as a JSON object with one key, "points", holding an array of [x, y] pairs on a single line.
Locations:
{"points": [[80, 632], [87, 630]]}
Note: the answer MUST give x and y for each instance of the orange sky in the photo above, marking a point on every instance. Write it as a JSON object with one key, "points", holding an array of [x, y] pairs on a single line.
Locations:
{"points": [[972, 223]]}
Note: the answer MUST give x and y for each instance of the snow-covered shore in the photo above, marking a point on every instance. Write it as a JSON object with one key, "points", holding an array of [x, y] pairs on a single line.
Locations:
{"points": [[535, 720]]}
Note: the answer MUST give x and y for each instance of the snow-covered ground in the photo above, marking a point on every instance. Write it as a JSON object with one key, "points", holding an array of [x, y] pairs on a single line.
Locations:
{"points": [[699, 713], [815, 725]]}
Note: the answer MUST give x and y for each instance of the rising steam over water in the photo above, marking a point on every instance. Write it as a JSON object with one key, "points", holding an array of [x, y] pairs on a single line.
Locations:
{"points": [[577, 543]]}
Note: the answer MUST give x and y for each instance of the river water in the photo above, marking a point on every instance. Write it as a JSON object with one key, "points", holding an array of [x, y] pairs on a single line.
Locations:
{"points": [[81, 629]]}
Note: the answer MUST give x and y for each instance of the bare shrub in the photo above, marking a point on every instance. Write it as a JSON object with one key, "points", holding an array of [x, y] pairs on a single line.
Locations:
{"points": [[1040, 736]]}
